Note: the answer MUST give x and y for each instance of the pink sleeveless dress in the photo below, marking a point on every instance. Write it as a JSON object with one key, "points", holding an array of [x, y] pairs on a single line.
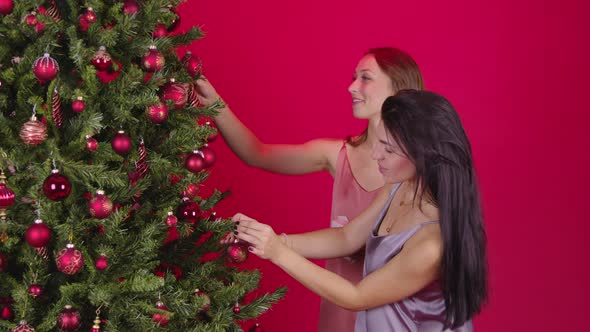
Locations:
{"points": [[349, 199]]}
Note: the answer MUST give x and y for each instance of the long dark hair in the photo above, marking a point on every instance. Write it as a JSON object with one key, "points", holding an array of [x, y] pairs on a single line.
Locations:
{"points": [[427, 127], [401, 69]]}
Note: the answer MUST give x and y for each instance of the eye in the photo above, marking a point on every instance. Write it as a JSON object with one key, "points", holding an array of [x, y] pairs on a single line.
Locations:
{"points": [[365, 78]]}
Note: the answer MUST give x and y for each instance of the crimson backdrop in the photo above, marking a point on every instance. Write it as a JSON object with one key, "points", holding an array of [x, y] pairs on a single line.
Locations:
{"points": [[515, 70]]}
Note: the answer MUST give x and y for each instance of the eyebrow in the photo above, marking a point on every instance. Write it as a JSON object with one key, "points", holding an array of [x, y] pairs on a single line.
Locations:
{"points": [[385, 142]]}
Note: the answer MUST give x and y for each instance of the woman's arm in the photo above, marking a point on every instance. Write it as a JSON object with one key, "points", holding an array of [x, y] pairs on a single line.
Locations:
{"points": [[313, 156], [414, 268]]}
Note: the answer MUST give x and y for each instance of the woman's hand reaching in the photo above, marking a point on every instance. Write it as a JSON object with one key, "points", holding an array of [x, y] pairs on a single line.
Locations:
{"points": [[262, 240]]}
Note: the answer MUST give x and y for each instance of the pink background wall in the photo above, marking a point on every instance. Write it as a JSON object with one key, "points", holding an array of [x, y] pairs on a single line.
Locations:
{"points": [[516, 72]]}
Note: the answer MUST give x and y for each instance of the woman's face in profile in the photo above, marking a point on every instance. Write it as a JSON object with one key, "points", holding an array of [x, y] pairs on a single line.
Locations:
{"points": [[369, 88]]}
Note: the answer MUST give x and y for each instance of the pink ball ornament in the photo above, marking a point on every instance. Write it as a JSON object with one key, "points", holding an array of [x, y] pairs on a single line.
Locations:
{"points": [[121, 143], [157, 113], [69, 260], [69, 319], [101, 263], [57, 187], [100, 206], [38, 234], [195, 162]]}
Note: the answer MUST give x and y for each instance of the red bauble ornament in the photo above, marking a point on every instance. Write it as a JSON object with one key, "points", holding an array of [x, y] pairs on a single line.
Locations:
{"points": [[78, 105], [6, 313], [101, 59], [38, 234], [7, 196], [204, 297], [190, 191], [256, 328], [176, 21], [100, 206], [69, 319], [160, 318], [3, 262], [57, 187], [121, 143], [35, 290], [111, 74], [90, 15], [160, 31], [189, 211], [206, 121], [45, 68], [175, 92], [33, 132], [237, 308], [237, 253], [195, 162], [69, 260], [130, 7], [31, 19], [208, 155], [23, 327], [101, 263], [192, 64], [84, 24], [6, 7], [91, 143], [157, 113], [153, 60], [171, 220]]}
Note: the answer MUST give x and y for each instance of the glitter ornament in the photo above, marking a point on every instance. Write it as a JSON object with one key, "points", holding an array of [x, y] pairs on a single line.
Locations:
{"points": [[101, 59], [157, 113], [33, 132], [175, 92], [237, 253], [69, 260], [153, 60], [192, 64], [45, 68], [100, 206]]}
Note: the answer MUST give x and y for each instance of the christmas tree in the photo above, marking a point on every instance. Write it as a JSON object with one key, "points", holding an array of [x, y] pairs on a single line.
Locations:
{"points": [[103, 155]]}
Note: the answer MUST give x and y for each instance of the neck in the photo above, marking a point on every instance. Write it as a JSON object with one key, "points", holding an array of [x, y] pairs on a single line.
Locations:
{"points": [[372, 128]]}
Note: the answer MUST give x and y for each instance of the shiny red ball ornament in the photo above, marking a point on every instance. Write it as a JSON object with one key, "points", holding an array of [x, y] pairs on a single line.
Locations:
{"points": [[90, 15], [204, 297], [208, 155], [195, 162], [57, 187], [78, 105], [6, 7], [69, 319], [100, 206], [7, 196], [176, 21], [69, 260], [101, 262], [171, 219], [101, 59], [188, 211], [31, 19], [237, 308], [3, 262], [6, 313], [121, 143], [91, 144], [175, 92], [160, 318], [45, 68], [157, 113], [84, 24], [160, 31], [206, 121], [192, 64], [153, 60], [35, 290], [190, 191], [256, 328], [38, 234], [33, 132], [130, 7], [237, 253], [23, 327]]}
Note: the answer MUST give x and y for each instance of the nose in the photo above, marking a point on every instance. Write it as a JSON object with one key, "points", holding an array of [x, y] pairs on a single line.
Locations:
{"points": [[352, 88]]}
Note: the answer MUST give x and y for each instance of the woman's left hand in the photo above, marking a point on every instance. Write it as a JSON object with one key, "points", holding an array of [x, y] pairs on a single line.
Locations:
{"points": [[263, 241]]}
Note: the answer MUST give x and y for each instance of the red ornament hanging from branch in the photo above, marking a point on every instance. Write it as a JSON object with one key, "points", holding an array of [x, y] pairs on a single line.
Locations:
{"points": [[45, 68], [56, 109]]}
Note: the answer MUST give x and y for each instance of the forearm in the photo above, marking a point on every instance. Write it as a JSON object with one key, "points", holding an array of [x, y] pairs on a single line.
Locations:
{"points": [[322, 244], [326, 284]]}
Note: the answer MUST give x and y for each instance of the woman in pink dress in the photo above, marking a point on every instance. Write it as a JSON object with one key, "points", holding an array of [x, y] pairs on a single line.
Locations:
{"points": [[380, 73]]}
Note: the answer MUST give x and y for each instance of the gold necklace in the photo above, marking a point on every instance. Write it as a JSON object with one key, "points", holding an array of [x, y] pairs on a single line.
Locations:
{"points": [[394, 220]]}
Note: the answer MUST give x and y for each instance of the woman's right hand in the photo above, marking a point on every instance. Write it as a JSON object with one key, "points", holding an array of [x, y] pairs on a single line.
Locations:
{"points": [[206, 92]]}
